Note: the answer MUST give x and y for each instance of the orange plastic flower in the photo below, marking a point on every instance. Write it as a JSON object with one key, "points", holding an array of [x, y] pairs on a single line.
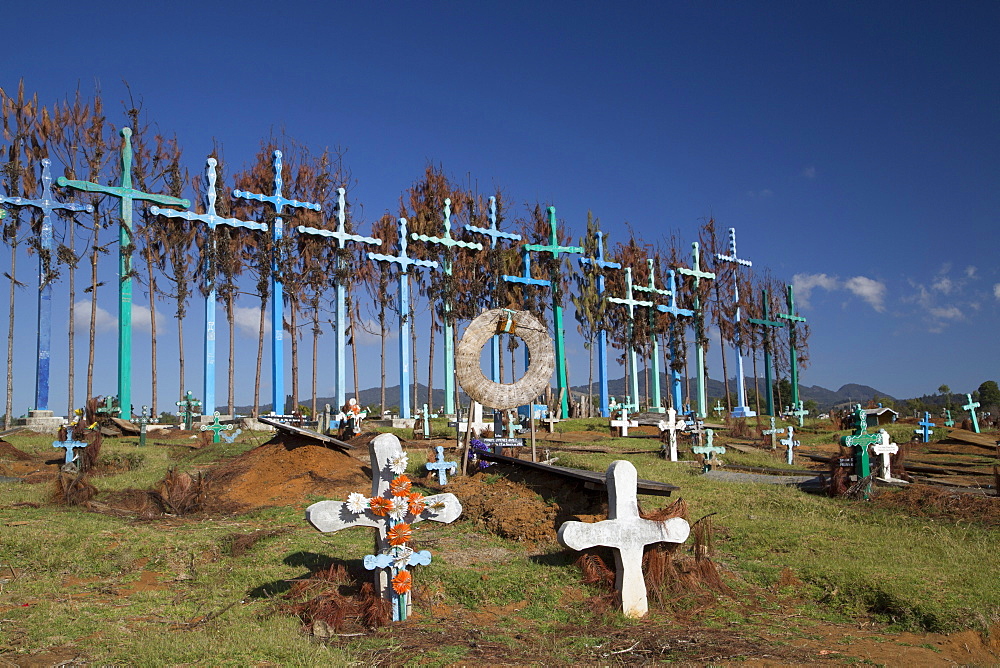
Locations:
{"points": [[400, 486], [400, 534], [416, 503], [380, 506], [402, 582]]}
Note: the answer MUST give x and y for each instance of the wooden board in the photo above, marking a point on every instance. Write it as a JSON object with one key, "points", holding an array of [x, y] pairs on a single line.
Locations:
{"points": [[972, 438], [306, 433], [590, 479]]}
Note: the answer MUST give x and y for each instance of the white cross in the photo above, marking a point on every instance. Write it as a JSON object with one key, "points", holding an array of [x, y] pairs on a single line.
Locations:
{"points": [[772, 433], [790, 442], [885, 448], [673, 425], [627, 533], [624, 423], [328, 516]]}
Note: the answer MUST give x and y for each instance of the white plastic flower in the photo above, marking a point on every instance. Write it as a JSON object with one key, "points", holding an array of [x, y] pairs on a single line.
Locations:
{"points": [[357, 503], [400, 506], [397, 463], [401, 559]]}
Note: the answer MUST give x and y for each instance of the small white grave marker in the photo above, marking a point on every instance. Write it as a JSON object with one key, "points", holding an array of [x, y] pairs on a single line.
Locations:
{"points": [[623, 424], [627, 533], [673, 425], [885, 447]]}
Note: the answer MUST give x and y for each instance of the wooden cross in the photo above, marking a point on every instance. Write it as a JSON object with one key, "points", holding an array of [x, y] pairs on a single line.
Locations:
{"points": [[790, 442], [672, 425], [631, 302], [216, 428], [47, 204], [741, 410], [188, 404], [279, 202], [773, 432], [800, 412], [699, 323], [212, 219], [885, 447], [602, 335], [143, 420], [449, 340], [624, 423], [70, 446], [441, 466], [627, 533], [126, 195], [710, 449], [768, 325], [792, 319], [404, 261], [387, 457], [927, 428], [971, 407]]}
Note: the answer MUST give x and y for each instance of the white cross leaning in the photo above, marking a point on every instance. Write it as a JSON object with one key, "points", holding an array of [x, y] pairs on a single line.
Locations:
{"points": [[624, 423], [790, 442], [673, 425], [328, 516], [885, 447], [627, 533]]}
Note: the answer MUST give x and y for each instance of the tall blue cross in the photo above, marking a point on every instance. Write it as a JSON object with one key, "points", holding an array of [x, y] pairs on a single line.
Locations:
{"points": [[741, 410], [404, 261], [927, 428], [602, 334], [697, 274], [652, 291], [971, 407], [342, 236], [212, 219], [44, 346], [675, 312], [494, 234], [555, 249], [449, 346], [631, 302], [126, 195], [277, 297]]}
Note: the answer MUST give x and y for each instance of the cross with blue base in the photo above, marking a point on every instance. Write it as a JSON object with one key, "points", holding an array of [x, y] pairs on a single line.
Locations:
{"points": [[741, 410], [699, 324], [926, 428], [70, 446], [441, 466], [449, 344], [971, 407], [631, 303], [277, 287], [126, 195], [44, 342], [404, 261], [212, 219], [341, 235], [602, 335]]}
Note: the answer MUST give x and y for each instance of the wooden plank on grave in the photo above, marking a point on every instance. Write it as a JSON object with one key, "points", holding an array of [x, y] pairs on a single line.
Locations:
{"points": [[126, 427], [590, 479], [306, 433], [972, 438]]}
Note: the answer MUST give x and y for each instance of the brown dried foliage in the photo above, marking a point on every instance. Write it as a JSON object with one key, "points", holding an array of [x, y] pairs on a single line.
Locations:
{"points": [[240, 543], [73, 489], [336, 599]]}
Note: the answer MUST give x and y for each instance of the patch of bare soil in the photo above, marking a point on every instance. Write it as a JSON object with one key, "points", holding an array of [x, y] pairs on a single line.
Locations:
{"points": [[31, 468], [926, 501]]}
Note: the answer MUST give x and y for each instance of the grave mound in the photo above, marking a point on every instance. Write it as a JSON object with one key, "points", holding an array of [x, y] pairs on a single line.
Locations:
{"points": [[285, 471], [8, 451], [926, 501]]}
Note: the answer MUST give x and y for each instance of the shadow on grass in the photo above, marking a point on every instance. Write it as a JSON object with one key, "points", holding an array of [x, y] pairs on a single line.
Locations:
{"points": [[314, 563]]}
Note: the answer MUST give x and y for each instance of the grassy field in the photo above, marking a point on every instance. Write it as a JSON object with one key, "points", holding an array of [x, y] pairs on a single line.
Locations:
{"points": [[173, 591]]}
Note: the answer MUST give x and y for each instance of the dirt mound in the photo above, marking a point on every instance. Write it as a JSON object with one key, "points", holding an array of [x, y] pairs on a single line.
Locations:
{"points": [[529, 509], [285, 471], [8, 451], [926, 501]]}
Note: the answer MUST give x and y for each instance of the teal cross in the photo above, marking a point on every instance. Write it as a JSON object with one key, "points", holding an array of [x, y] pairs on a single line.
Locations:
{"points": [[142, 421], [800, 412], [709, 450], [790, 442], [699, 323], [792, 349], [948, 421], [70, 446], [772, 432], [427, 422], [188, 404], [216, 428], [441, 466], [631, 302], [654, 354], [127, 195], [860, 420], [859, 443], [768, 324], [971, 407]]}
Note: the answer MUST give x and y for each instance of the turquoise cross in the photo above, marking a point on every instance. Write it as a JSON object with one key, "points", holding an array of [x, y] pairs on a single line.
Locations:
{"points": [[800, 412], [188, 405], [441, 466], [629, 300], [709, 450], [492, 231], [793, 350], [971, 407], [772, 432], [126, 195], [768, 325], [699, 324], [790, 442], [948, 421], [216, 427]]}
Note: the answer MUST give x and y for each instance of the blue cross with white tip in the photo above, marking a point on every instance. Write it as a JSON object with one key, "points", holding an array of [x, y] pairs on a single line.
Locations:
{"points": [[441, 466], [404, 261], [341, 235], [927, 428], [602, 334], [631, 302], [277, 287], [675, 311], [741, 410]]}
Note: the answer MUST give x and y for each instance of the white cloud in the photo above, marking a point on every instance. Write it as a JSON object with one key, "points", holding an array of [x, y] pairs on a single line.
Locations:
{"points": [[970, 271], [996, 290], [809, 172], [367, 334], [247, 319], [943, 284], [141, 322], [947, 313], [104, 321], [869, 289], [805, 283]]}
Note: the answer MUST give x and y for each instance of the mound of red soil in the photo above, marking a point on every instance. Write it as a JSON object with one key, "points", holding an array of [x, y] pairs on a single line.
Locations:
{"points": [[30, 468], [286, 471], [8, 451]]}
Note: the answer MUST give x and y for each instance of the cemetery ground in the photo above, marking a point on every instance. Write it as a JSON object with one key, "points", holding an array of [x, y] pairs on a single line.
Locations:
{"points": [[905, 578]]}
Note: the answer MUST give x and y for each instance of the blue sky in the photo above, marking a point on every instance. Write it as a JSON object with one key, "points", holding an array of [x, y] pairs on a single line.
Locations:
{"points": [[853, 145]]}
